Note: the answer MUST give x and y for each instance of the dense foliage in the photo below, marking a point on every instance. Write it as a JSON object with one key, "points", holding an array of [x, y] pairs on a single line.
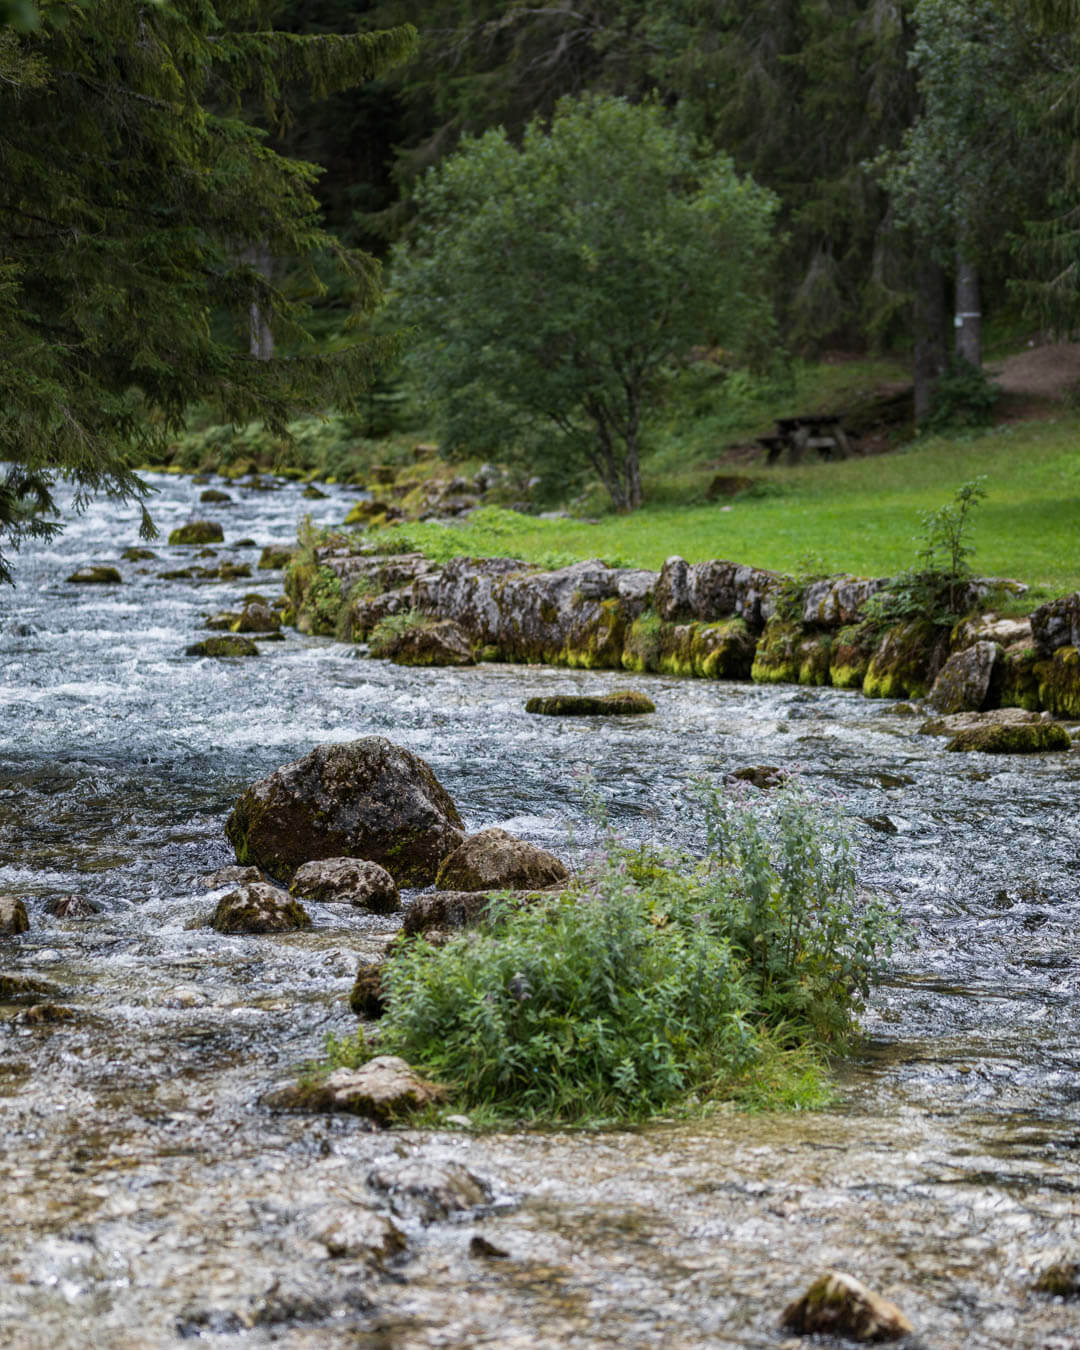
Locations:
{"points": [[134, 188], [663, 977], [549, 285]]}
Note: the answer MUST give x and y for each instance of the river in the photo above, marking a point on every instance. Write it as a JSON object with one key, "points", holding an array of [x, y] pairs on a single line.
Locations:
{"points": [[148, 1198]]}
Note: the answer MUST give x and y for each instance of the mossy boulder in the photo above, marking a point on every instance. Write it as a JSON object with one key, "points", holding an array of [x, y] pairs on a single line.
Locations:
{"points": [[837, 1304], [367, 998], [229, 644], [385, 1089], [96, 576], [618, 703], [259, 908], [422, 642], [353, 881], [969, 680], [256, 618], [365, 511], [214, 496], [446, 911], [366, 799], [198, 532], [233, 571], [1025, 738], [1057, 624], [1059, 682], [494, 859], [13, 916], [906, 661], [136, 554], [223, 621], [850, 655], [177, 574], [274, 559], [777, 658]]}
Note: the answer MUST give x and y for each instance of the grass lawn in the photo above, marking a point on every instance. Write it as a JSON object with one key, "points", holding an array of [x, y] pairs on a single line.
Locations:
{"points": [[861, 516]]}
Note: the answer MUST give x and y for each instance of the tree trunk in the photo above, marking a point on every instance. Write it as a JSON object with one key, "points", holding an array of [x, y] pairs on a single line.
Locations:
{"points": [[262, 338], [968, 317], [930, 346]]}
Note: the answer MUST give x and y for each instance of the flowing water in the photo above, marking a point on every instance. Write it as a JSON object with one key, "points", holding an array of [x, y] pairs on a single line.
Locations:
{"points": [[148, 1197]]}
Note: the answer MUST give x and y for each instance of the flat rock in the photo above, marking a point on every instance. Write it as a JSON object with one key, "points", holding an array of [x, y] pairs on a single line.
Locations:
{"points": [[620, 701], [227, 876], [353, 881], [361, 799], [259, 908], [385, 1089], [13, 916], [419, 1188], [840, 1305], [965, 721], [494, 859], [1029, 738]]}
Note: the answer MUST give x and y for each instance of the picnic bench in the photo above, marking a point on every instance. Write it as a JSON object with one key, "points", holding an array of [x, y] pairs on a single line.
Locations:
{"points": [[795, 435]]}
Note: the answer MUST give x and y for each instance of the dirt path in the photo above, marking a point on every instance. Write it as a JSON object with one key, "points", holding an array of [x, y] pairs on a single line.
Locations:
{"points": [[1040, 372]]}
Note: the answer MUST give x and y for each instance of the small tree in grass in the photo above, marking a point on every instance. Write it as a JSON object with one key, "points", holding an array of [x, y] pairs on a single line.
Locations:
{"points": [[551, 283]]}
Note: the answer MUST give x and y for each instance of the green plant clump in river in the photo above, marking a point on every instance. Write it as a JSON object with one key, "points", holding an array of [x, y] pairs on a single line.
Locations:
{"points": [[662, 984]]}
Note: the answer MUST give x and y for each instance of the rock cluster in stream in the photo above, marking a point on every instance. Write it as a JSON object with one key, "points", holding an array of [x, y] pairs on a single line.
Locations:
{"points": [[714, 620]]}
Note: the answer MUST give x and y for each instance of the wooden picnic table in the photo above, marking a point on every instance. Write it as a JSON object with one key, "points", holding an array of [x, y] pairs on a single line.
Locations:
{"points": [[796, 435]]}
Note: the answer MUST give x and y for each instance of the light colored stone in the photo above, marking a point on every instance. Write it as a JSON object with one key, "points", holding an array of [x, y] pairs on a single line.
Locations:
{"points": [[353, 881], [427, 1190], [838, 1304], [13, 916], [494, 859], [385, 1089]]}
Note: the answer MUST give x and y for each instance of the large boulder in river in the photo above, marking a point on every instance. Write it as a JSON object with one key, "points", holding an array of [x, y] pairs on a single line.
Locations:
{"points": [[360, 799], [353, 881], [198, 532], [496, 860]]}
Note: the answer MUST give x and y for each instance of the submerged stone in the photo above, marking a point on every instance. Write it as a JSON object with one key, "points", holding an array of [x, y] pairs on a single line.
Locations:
{"points": [[366, 799], [230, 644], [96, 576], [135, 554], [385, 1089], [71, 907], [840, 1305], [258, 907], [198, 532], [620, 701], [494, 859], [430, 1191]]}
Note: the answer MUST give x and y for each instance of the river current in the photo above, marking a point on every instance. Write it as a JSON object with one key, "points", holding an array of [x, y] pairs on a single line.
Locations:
{"points": [[148, 1198]]}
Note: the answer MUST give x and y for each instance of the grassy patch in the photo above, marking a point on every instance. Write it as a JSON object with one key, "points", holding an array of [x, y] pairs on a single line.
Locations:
{"points": [[861, 516]]}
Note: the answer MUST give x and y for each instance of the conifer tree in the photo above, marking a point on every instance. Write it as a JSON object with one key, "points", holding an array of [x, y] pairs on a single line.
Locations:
{"points": [[132, 185]]}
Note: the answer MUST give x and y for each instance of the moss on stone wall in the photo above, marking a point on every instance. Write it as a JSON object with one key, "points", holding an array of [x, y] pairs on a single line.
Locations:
{"points": [[777, 659], [902, 665], [1059, 682]]}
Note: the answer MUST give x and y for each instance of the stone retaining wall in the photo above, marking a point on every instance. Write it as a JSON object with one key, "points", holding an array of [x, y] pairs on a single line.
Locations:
{"points": [[711, 620]]}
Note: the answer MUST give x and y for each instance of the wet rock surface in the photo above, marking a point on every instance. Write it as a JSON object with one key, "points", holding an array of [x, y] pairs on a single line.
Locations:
{"points": [[259, 908], [13, 916], [362, 799], [96, 576], [495, 860], [965, 682], [225, 646], [840, 1305], [384, 1090], [429, 1191], [616, 704], [349, 880]]}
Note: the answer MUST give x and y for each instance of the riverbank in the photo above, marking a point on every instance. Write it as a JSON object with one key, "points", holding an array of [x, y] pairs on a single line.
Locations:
{"points": [[712, 620]]}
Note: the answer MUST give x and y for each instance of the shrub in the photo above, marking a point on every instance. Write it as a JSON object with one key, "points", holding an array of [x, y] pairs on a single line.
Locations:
{"points": [[963, 397], [663, 977]]}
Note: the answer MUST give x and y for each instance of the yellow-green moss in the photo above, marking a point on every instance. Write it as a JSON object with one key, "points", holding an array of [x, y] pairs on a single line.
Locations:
{"points": [[777, 659], [900, 668], [1059, 682]]}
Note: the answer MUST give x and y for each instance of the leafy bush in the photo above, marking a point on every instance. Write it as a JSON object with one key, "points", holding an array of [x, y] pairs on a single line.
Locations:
{"points": [[662, 977], [936, 588], [963, 397]]}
